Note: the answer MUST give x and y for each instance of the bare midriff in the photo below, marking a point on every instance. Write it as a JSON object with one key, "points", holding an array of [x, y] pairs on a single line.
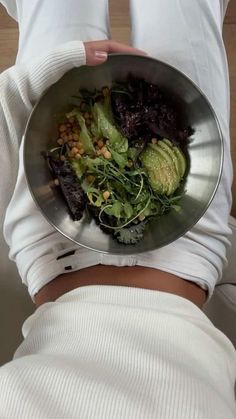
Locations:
{"points": [[135, 276]]}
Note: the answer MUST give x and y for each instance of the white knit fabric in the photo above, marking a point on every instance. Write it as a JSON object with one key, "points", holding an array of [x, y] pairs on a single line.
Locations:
{"points": [[119, 353], [20, 87]]}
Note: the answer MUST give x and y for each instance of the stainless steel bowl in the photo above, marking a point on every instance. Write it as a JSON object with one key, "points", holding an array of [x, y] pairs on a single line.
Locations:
{"points": [[205, 152]]}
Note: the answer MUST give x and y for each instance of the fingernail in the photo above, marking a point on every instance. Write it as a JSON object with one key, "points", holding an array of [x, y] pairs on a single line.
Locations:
{"points": [[101, 55]]}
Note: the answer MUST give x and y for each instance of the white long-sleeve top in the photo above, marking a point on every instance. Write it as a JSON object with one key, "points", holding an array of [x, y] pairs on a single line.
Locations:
{"points": [[20, 88], [103, 352]]}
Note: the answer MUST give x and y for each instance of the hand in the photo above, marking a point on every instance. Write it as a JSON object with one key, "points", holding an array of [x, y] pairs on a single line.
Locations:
{"points": [[97, 51]]}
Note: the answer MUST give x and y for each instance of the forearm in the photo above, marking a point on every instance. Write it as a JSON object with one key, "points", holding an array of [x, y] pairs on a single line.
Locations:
{"points": [[20, 88]]}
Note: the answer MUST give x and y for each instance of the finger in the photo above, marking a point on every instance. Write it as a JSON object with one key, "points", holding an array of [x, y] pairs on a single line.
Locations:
{"points": [[113, 46], [97, 52]]}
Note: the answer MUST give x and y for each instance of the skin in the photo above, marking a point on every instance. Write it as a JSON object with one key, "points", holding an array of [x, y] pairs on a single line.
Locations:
{"points": [[136, 276]]}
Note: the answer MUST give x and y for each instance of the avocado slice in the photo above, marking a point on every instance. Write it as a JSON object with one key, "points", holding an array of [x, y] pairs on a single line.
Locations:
{"points": [[180, 156], [169, 171], [182, 161], [150, 161], [170, 150]]}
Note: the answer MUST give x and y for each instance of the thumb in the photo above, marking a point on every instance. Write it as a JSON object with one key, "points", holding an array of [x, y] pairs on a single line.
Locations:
{"points": [[94, 57]]}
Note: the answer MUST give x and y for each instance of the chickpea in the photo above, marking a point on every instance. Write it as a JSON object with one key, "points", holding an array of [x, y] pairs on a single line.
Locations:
{"points": [[154, 140], [64, 136], [78, 156], [60, 141], [75, 137], [81, 151], [103, 149], [106, 195], [63, 158], [107, 154], [100, 143], [74, 150], [56, 182], [62, 128]]}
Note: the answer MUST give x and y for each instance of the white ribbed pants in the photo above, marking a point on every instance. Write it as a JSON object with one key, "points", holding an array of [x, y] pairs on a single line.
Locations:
{"points": [[184, 33]]}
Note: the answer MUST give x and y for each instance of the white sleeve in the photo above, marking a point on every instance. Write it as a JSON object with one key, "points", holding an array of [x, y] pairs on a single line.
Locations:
{"points": [[20, 89]]}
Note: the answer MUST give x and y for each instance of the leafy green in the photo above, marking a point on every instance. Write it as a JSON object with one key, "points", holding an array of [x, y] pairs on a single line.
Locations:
{"points": [[104, 125], [85, 137], [120, 158], [131, 235], [79, 167], [123, 197], [162, 166]]}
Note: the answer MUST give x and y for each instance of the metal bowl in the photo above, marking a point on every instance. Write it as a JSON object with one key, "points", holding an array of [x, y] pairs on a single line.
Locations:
{"points": [[205, 152]]}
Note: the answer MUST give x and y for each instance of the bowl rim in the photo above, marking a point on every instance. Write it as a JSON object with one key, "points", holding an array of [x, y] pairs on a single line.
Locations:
{"points": [[142, 57]]}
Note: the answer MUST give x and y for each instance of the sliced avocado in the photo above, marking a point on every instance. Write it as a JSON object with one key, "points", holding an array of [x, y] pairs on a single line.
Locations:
{"points": [[160, 166], [168, 142]]}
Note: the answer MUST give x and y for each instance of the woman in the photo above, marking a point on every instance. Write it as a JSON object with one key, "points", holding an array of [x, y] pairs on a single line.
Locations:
{"points": [[120, 337]]}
